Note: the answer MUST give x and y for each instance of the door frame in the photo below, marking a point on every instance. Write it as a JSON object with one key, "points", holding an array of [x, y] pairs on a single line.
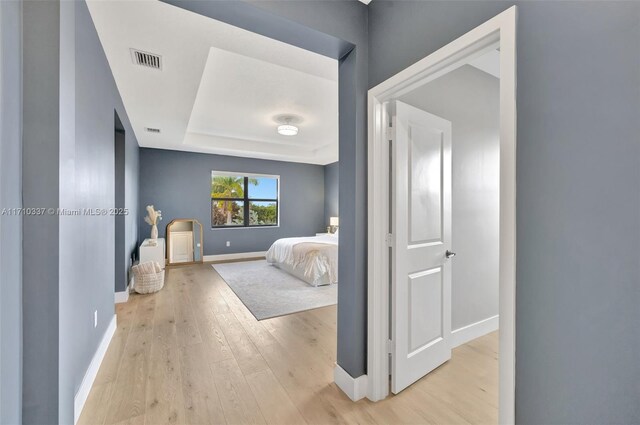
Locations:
{"points": [[499, 31]]}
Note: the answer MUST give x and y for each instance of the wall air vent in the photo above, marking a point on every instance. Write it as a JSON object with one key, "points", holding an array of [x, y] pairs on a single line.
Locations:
{"points": [[152, 130], [149, 60]]}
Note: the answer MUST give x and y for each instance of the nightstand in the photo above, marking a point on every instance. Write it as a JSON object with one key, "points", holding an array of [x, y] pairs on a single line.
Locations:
{"points": [[150, 252]]}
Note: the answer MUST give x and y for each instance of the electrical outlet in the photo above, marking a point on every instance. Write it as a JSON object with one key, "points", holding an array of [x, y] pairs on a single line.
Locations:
{"points": [[228, 243], [95, 319]]}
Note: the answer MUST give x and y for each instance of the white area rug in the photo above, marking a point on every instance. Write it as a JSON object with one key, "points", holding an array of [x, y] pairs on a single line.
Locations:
{"points": [[270, 292]]}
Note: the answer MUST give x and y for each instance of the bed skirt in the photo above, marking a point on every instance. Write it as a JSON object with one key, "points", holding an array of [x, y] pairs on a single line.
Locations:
{"points": [[299, 273]]}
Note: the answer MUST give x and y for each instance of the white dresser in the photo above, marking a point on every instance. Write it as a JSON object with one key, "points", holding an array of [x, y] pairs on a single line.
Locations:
{"points": [[153, 253]]}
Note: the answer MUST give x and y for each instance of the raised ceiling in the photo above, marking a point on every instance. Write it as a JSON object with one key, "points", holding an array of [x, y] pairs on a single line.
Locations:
{"points": [[220, 88]]}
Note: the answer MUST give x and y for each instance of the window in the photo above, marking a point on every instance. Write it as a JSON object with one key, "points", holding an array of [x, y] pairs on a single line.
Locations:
{"points": [[239, 200]]}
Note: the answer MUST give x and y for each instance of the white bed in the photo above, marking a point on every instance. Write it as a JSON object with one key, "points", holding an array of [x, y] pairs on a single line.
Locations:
{"points": [[312, 259]]}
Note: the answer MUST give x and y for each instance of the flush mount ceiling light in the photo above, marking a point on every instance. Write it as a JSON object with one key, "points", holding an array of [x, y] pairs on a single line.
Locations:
{"points": [[287, 130], [287, 127]]}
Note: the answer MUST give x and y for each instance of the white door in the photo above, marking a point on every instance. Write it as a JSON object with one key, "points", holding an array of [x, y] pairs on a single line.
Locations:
{"points": [[181, 247], [421, 235]]}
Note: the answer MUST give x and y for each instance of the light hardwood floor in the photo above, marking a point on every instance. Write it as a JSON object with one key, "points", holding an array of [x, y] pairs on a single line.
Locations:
{"points": [[193, 353]]}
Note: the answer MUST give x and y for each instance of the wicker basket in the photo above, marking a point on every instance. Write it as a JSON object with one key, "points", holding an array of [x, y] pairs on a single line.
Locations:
{"points": [[149, 277]]}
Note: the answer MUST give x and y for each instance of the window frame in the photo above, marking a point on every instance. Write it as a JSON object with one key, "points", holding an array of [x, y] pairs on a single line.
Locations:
{"points": [[246, 200]]}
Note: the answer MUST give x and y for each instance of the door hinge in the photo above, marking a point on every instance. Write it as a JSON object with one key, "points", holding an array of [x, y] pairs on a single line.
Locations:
{"points": [[388, 238], [388, 133], [390, 346]]}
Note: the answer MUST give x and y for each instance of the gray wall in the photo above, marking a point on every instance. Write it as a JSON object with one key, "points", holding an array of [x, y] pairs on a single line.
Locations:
{"points": [[331, 191], [469, 98], [179, 184], [10, 226], [69, 102], [346, 20], [40, 249], [87, 181], [578, 203]]}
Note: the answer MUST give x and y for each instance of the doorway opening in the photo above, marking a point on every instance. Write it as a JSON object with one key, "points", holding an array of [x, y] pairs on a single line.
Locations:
{"points": [[412, 217], [211, 323], [120, 254]]}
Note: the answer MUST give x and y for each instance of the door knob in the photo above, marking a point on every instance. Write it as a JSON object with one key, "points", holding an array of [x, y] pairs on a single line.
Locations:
{"points": [[449, 254]]}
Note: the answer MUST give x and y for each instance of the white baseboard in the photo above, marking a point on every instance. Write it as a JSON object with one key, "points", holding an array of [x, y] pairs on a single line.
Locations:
{"points": [[475, 330], [354, 388], [90, 376], [122, 297], [236, 256]]}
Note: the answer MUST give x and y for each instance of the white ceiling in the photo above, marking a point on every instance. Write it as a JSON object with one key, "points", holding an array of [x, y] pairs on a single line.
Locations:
{"points": [[489, 63], [467, 86], [220, 87]]}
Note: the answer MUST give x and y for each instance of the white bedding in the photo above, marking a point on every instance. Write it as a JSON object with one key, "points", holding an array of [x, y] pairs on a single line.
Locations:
{"points": [[312, 259]]}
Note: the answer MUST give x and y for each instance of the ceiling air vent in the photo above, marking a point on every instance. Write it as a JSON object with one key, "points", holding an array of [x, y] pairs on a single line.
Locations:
{"points": [[146, 59], [152, 130]]}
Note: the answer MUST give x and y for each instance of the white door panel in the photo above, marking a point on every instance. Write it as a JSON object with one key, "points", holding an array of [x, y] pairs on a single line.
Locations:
{"points": [[425, 182], [421, 229], [425, 293]]}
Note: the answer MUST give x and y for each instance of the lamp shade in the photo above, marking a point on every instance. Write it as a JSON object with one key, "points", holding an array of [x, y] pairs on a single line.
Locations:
{"points": [[333, 221]]}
